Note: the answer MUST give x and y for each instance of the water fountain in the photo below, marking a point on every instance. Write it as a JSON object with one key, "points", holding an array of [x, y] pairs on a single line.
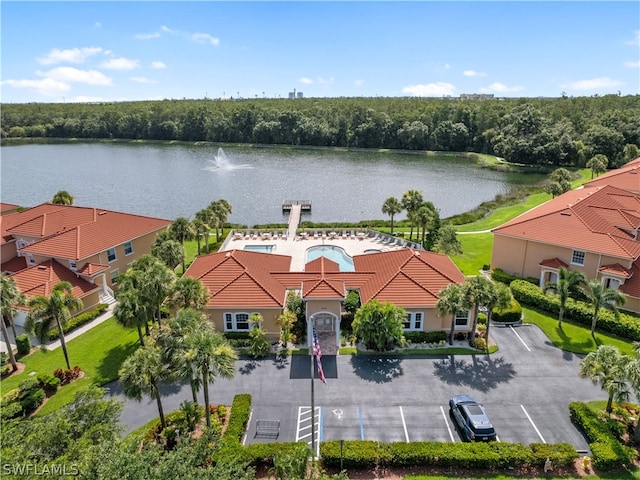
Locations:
{"points": [[221, 162]]}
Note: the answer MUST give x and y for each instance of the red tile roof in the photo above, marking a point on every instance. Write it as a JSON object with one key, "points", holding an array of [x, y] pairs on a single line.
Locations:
{"points": [[10, 221], [40, 280], [553, 263], [615, 269], [14, 265], [631, 285], [595, 219], [77, 232], [240, 278], [7, 207], [90, 269], [626, 177]]}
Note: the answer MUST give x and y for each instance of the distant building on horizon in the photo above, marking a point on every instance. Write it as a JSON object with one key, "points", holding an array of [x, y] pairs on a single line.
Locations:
{"points": [[476, 96], [293, 95]]}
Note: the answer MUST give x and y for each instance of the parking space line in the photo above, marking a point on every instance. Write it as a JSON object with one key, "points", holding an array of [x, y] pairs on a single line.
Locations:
{"points": [[533, 424], [447, 423], [361, 423], [519, 338], [404, 425]]}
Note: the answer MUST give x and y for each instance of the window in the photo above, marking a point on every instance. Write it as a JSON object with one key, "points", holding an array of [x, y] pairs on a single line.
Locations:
{"points": [[237, 322], [72, 265], [578, 257], [462, 319], [114, 276], [128, 248], [413, 321], [30, 259], [111, 255], [611, 283]]}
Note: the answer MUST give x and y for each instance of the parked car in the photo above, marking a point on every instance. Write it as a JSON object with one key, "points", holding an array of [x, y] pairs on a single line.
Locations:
{"points": [[471, 418]]}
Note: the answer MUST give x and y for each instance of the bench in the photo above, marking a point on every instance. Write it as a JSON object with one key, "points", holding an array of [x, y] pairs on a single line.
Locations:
{"points": [[267, 428]]}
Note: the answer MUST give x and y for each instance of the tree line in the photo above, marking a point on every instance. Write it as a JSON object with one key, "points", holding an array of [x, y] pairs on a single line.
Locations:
{"points": [[565, 131]]}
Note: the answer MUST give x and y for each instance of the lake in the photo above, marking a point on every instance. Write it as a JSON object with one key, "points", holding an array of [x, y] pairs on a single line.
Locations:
{"points": [[169, 181]]}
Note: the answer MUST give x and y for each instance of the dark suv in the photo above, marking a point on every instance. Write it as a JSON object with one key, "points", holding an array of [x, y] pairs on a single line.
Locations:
{"points": [[471, 418]]}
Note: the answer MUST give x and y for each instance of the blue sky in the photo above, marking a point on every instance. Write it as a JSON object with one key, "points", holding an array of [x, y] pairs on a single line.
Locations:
{"points": [[118, 51]]}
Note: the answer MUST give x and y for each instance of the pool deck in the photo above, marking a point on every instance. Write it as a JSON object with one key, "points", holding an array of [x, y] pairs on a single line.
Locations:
{"points": [[297, 247]]}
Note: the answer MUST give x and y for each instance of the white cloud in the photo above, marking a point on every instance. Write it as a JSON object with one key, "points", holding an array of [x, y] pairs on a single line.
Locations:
{"points": [[72, 55], [636, 41], [358, 83], [166, 29], [430, 89], [594, 83], [635, 64], [146, 36], [47, 86], [473, 73], [97, 25], [142, 80], [447, 66], [325, 81], [85, 99], [158, 65], [501, 88], [205, 38], [120, 64], [306, 80], [70, 74]]}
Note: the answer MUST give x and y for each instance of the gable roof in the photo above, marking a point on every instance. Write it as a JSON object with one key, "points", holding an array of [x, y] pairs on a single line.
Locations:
{"points": [[40, 280], [79, 232], [631, 285], [626, 177], [595, 219]]}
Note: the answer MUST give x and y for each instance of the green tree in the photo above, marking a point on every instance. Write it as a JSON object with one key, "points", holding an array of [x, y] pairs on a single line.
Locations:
{"points": [[424, 216], [285, 322], [169, 251], [182, 229], [391, 207], [142, 373], [477, 291], [130, 311], [598, 164], [448, 242], [155, 282], [451, 301], [352, 302], [208, 220], [212, 357], [260, 345], [10, 297], [56, 308], [499, 296], [411, 202], [554, 189], [221, 209], [601, 297], [562, 177], [630, 152], [200, 228], [380, 325], [62, 198], [608, 368], [567, 285], [632, 373], [189, 292]]}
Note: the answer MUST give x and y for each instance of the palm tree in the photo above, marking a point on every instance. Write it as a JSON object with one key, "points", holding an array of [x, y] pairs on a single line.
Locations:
{"points": [[451, 301], [568, 282], [170, 252], [62, 198], [130, 310], [182, 229], [189, 292], [608, 368], [155, 282], [411, 201], [632, 373], [10, 297], [499, 296], [206, 217], [424, 215], [200, 228], [212, 357], [221, 210], [57, 307], [601, 297], [141, 373], [477, 293], [391, 207]]}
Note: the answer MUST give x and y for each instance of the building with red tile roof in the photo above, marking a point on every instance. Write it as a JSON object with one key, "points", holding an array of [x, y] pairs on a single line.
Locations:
{"points": [[593, 229], [92, 245], [242, 283], [7, 208]]}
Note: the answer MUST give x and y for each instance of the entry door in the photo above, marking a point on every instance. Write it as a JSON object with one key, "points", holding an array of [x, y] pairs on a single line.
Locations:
{"points": [[324, 323]]}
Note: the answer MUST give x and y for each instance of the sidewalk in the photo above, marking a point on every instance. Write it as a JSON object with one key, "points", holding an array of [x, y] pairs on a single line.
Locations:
{"points": [[56, 343]]}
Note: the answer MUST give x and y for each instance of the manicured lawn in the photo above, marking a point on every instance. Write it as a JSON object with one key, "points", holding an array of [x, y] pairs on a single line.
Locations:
{"points": [[98, 352], [573, 337], [476, 252]]}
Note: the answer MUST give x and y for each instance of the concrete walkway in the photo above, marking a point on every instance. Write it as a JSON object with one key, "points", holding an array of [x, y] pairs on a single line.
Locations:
{"points": [[56, 343]]}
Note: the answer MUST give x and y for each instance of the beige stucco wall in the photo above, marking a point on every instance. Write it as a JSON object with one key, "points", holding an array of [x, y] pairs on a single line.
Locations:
{"points": [[7, 251], [269, 315], [90, 301], [632, 305], [317, 306]]}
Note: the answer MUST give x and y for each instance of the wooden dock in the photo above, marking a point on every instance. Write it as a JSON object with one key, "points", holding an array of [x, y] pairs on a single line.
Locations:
{"points": [[305, 205], [295, 208]]}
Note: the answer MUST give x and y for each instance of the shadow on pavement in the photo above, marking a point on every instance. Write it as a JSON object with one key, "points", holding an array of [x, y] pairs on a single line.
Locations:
{"points": [[482, 373], [301, 368], [377, 369]]}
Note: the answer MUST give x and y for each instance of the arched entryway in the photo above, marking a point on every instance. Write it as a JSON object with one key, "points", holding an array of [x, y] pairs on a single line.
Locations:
{"points": [[327, 326]]}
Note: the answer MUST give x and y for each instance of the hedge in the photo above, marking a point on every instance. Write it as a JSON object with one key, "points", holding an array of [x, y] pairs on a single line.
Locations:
{"points": [[511, 314], [607, 452], [23, 344], [625, 326], [78, 321], [426, 337], [501, 276], [230, 445]]}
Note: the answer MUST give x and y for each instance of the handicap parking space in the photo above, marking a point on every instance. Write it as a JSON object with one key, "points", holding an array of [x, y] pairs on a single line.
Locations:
{"points": [[341, 423]]}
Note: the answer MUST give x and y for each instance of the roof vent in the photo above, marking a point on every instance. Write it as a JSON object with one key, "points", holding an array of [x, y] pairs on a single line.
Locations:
{"points": [[416, 253], [102, 212], [228, 254], [565, 214], [41, 267]]}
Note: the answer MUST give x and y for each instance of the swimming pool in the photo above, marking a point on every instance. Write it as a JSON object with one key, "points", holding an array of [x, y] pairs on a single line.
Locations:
{"points": [[334, 253], [260, 248]]}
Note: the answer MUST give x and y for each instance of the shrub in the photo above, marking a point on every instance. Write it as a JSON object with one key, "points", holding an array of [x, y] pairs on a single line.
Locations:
{"points": [[511, 314], [426, 337], [4, 364], [67, 376], [24, 344], [12, 410], [501, 276], [49, 382], [355, 454], [480, 343], [33, 401], [560, 454], [237, 335], [230, 446], [78, 321], [27, 387]]}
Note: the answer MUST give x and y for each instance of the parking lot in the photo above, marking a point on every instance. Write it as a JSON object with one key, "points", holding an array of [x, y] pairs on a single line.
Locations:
{"points": [[525, 387]]}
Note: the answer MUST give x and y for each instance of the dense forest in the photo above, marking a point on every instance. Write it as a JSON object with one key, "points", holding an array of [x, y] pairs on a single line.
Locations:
{"points": [[563, 131]]}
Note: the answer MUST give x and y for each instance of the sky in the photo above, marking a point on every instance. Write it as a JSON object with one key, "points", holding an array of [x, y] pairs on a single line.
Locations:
{"points": [[85, 51]]}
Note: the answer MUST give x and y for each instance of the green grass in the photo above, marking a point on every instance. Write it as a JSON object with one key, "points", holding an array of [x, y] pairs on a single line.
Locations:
{"points": [[99, 353], [620, 475], [476, 252], [573, 337]]}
